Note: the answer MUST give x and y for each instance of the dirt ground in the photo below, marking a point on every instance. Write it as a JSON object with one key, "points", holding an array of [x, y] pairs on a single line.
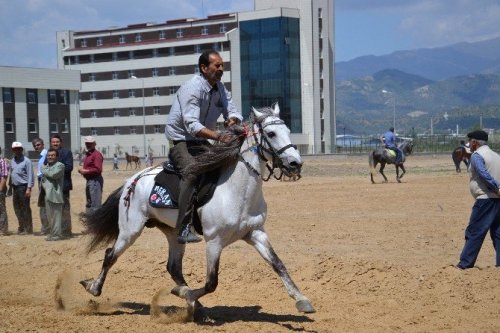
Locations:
{"points": [[371, 258]]}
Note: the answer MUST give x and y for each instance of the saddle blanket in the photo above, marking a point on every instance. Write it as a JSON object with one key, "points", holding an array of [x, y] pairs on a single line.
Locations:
{"points": [[390, 152], [160, 197]]}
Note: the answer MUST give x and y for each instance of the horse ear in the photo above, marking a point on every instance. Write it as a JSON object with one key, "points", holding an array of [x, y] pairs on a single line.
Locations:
{"points": [[276, 109], [256, 113]]}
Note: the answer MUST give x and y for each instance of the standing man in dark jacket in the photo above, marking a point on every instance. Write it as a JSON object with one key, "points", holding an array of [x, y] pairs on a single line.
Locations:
{"points": [[66, 158], [92, 172]]}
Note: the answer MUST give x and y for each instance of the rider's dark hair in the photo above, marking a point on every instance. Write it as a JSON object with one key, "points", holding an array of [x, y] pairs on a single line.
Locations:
{"points": [[204, 58]]}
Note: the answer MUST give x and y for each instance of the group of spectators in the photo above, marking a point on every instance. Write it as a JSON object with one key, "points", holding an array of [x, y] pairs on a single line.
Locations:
{"points": [[53, 176]]}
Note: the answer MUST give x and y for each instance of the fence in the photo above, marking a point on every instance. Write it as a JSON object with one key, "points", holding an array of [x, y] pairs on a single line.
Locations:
{"points": [[423, 144]]}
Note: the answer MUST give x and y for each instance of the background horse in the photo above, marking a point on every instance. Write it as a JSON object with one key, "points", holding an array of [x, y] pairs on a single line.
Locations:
{"points": [[459, 155], [262, 146], [132, 158], [382, 156]]}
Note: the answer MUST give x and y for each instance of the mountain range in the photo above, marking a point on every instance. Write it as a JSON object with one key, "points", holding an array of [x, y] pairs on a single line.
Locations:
{"points": [[443, 88]]}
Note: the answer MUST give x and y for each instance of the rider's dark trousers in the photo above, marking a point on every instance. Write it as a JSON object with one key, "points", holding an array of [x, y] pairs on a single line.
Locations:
{"points": [[182, 154]]}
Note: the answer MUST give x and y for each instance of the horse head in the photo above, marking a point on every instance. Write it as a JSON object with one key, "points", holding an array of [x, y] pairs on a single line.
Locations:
{"points": [[275, 144], [407, 147]]}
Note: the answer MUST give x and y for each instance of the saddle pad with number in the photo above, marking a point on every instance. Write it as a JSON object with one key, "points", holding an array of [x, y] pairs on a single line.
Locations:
{"points": [[165, 192], [390, 152]]}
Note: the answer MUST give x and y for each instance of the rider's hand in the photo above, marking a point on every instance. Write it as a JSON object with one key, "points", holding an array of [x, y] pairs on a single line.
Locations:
{"points": [[225, 137], [231, 121]]}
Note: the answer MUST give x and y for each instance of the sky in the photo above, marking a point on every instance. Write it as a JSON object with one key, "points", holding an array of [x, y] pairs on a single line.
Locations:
{"points": [[362, 27]]}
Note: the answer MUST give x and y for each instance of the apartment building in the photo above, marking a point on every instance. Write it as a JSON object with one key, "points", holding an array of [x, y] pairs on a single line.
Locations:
{"points": [[38, 102], [282, 51]]}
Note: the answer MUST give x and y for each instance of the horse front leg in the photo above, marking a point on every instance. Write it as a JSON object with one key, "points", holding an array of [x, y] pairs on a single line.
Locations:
{"points": [[382, 166], [397, 173], [260, 241], [404, 171]]}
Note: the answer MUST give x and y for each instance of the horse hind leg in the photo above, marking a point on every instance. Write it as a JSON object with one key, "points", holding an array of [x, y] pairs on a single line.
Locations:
{"points": [[111, 255], [381, 170], [260, 241]]}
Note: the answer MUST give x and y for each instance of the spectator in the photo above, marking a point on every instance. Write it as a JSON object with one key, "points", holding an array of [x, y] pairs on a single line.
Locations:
{"points": [[22, 181], [39, 147], [92, 172], [53, 183], [484, 186], [4, 174], [115, 162], [66, 158]]}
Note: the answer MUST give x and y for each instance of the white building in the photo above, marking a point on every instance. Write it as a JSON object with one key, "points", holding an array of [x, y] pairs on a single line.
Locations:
{"points": [[282, 51], [38, 102]]}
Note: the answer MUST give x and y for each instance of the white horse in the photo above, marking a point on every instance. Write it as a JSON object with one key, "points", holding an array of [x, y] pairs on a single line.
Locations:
{"points": [[237, 211]]}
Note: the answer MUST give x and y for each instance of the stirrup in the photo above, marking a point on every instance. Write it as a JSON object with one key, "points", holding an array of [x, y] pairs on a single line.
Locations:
{"points": [[186, 236]]}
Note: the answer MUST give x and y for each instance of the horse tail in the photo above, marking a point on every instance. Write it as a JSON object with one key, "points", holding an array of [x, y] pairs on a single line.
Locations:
{"points": [[371, 162], [102, 224]]}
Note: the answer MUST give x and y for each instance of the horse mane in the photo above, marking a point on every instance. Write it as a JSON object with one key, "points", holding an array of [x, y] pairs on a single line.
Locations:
{"points": [[217, 155]]}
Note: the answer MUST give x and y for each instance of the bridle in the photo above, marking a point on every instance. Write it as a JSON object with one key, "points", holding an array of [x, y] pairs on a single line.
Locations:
{"points": [[263, 146]]}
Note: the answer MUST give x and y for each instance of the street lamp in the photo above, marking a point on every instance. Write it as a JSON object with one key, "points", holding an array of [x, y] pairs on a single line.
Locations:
{"points": [[393, 107], [143, 114]]}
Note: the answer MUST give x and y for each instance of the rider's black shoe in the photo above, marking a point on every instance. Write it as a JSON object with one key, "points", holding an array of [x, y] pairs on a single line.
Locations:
{"points": [[186, 236]]}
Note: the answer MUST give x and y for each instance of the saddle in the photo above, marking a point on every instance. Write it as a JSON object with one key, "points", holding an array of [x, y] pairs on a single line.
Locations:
{"points": [[165, 192], [390, 152]]}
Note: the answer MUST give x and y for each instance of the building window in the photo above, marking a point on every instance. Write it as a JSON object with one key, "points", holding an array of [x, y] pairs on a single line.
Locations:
{"points": [[155, 72], [53, 96], [114, 76], [91, 77], [156, 91], [197, 48], [99, 41], [8, 95], [92, 95], [92, 58], [171, 51], [116, 94], [83, 42], [180, 33], [156, 110], [65, 126], [131, 55], [157, 129], [32, 125], [216, 46], [131, 93], [116, 113], [132, 130], [63, 97], [93, 131], [131, 112], [9, 125], [172, 90], [114, 56], [162, 34], [32, 96], [131, 73], [196, 69], [121, 40], [54, 128], [171, 71], [155, 53], [116, 130], [204, 30], [138, 38], [222, 28], [93, 114]]}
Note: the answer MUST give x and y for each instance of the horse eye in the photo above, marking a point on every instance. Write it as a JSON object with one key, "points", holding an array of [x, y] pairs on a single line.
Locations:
{"points": [[271, 135]]}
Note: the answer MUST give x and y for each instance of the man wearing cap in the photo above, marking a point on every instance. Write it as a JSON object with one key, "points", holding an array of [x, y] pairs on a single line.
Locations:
{"points": [[484, 186], [21, 180], [389, 142], [92, 172]]}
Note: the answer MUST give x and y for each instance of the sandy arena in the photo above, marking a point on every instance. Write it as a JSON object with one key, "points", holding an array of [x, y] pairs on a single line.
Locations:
{"points": [[371, 258]]}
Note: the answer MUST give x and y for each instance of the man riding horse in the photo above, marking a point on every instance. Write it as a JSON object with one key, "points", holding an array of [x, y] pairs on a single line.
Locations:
{"points": [[389, 142], [191, 122]]}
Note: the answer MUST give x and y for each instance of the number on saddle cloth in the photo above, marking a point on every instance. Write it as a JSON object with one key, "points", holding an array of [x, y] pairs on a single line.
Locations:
{"points": [[390, 152], [165, 192]]}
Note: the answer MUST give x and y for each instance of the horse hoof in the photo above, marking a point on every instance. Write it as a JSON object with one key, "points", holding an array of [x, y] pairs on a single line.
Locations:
{"points": [[87, 284], [399, 180], [304, 306], [180, 291]]}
